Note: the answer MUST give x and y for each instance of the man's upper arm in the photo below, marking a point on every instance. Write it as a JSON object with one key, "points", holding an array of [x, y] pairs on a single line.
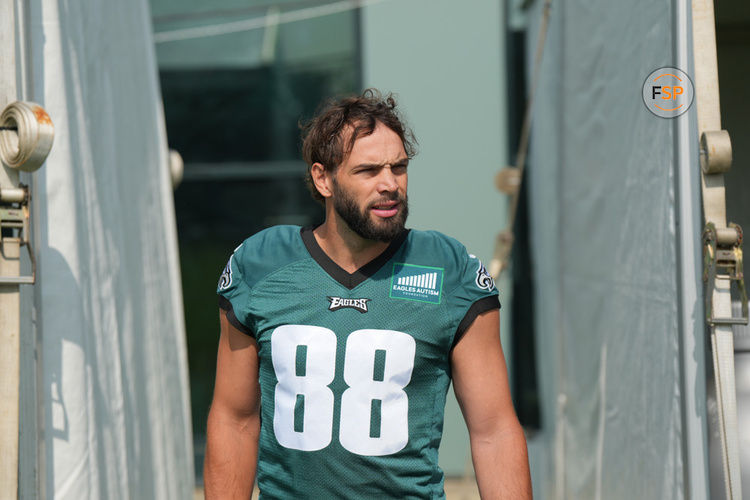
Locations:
{"points": [[236, 391], [480, 377]]}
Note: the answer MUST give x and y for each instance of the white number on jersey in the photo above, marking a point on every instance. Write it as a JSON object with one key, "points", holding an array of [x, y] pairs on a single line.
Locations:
{"points": [[317, 424], [357, 402]]}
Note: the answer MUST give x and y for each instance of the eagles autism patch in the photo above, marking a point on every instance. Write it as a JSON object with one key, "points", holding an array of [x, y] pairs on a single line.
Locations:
{"points": [[420, 283]]}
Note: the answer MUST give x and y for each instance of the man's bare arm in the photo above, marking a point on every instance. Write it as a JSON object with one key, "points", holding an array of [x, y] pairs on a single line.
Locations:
{"points": [[234, 421], [480, 381]]}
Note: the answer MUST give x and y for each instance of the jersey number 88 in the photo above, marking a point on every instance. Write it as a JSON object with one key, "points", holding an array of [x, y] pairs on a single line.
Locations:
{"points": [[311, 392]]}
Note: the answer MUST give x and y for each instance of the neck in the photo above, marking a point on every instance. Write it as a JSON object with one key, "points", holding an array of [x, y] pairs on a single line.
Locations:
{"points": [[345, 247]]}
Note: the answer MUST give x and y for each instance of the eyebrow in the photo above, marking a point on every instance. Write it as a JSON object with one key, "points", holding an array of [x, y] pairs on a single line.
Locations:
{"points": [[398, 163]]}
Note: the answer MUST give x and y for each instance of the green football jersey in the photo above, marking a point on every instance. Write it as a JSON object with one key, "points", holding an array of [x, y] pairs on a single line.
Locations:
{"points": [[354, 368]]}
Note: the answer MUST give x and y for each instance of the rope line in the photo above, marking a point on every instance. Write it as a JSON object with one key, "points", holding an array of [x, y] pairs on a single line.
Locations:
{"points": [[504, 242], [261, 21]]}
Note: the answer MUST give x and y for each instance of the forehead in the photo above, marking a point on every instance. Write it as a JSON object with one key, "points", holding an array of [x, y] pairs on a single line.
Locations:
{"points": [[382, 146]]}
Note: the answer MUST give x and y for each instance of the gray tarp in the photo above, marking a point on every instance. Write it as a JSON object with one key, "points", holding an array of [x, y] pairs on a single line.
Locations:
{"points": [[112, 373], [605, 216]]}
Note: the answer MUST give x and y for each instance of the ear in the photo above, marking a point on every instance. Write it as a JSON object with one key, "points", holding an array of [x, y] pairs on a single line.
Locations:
{"points": [[322, 179]]}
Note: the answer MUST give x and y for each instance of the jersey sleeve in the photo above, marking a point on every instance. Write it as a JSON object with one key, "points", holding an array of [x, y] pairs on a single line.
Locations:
{"points": [[234, 293], [474, 294]]}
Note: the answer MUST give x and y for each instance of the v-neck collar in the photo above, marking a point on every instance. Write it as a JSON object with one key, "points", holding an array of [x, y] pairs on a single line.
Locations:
{"points": [[349, 280]]}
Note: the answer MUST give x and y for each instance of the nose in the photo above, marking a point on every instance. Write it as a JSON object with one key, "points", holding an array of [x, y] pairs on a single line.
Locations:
{"points": [[387, 181]]}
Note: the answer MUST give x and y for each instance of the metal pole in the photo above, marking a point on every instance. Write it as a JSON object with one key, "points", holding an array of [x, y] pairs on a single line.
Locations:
{"points": [[691, 313], [10, 320]]}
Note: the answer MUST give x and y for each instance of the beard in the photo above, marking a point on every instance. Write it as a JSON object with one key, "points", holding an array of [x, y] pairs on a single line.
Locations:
{"points": [[361, 221]]}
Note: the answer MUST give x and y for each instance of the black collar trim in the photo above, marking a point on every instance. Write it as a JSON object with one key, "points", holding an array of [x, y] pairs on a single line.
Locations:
{"points": [[346, 279]]}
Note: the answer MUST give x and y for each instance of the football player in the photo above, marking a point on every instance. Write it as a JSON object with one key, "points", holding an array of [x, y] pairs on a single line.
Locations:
{"points": [[338, 342]]}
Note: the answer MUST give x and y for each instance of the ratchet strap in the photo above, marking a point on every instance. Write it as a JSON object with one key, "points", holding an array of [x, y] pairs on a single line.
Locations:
{"points": [[722, 242]]}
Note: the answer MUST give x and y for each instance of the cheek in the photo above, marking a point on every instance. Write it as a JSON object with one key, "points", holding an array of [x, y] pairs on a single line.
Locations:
{"points": [[367, 190]]}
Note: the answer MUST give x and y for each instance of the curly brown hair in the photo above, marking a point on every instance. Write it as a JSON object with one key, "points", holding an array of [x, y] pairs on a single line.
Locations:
{"points": [[322, 140]]}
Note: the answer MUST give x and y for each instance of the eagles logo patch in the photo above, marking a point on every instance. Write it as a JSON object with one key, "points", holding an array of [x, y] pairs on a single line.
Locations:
{"points": [[225, 280], [484, 280], [337, 303]]}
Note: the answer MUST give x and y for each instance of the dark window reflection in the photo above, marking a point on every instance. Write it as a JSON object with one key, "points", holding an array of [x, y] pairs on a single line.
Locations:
{"points": [[232, 105]]}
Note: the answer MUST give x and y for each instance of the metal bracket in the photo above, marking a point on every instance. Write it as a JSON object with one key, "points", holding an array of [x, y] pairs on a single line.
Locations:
{"points": [[16, 218], [722, 259]]}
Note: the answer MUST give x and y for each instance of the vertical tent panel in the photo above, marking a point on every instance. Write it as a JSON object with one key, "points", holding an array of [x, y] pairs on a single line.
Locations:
{"points": [[113, 383], [604, 218], [543, 176]]}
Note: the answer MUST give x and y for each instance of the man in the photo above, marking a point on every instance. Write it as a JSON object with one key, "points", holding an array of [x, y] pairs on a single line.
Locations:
{"points": [[338, 343]]}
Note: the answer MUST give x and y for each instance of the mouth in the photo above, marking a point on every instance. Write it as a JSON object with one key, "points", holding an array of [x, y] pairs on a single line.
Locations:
{"points": [[386, 209]]}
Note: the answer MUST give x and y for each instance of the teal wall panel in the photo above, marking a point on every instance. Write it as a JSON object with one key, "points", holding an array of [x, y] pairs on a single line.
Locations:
{"points": [[446, 62]]}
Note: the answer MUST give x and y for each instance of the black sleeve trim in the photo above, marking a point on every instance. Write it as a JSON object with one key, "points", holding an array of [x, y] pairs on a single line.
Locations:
{"points": [[227, 306], [482, 305]]}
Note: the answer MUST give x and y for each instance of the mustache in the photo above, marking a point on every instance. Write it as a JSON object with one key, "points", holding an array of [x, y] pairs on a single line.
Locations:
{"points": [[395, 196]]}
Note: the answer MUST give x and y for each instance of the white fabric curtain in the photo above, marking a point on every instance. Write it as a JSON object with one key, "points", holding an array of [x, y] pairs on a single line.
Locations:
{"points": [[113, 404], [603, 177]]}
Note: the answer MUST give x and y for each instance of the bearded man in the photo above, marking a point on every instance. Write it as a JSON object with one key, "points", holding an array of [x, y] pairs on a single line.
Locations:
{"points": [[338, 342]]}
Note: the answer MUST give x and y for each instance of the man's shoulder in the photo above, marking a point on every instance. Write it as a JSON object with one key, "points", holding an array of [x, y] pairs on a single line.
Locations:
{"points": [[437, 243], [272, 237], [460, 267], [267, 251]]}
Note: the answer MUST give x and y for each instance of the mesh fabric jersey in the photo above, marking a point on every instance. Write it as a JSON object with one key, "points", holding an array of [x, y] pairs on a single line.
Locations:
{"points": [[354, 368]]}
